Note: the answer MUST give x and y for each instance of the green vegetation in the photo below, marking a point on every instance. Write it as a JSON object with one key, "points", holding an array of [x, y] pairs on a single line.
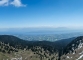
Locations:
{"points": [[12, 48]]}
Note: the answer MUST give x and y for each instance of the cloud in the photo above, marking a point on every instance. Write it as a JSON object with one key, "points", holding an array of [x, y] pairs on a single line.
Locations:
{"points": [[4, 2], [16, 3]]}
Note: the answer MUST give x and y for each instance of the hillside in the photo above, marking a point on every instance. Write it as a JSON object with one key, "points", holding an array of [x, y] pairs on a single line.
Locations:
{"points": [[21, 44], [12, 47], [74, 50], [39, 50]]}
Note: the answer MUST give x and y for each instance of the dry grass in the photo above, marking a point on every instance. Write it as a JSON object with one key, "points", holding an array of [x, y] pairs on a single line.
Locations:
{"points": [[28, 55]]}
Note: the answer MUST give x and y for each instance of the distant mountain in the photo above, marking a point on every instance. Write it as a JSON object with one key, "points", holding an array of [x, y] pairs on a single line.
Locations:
{"points": [[74, 50], [39, 30], [42, 33]]}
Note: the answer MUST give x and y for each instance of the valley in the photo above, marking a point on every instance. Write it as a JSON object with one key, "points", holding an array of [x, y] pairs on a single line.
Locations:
{"points": [[14, 48]]}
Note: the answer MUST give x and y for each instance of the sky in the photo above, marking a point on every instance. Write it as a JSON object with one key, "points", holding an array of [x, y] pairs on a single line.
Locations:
{"points": [[41, 13]]}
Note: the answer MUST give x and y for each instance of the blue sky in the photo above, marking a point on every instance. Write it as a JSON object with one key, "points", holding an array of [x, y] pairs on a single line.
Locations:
{"points": [[41, 13]]}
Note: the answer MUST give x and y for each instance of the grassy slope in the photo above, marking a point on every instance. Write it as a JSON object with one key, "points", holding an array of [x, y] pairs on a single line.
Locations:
{"points": [[26, 55]]}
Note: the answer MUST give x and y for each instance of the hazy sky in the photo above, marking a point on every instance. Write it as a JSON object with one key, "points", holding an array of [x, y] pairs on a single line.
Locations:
{"points": [[41, 13]]}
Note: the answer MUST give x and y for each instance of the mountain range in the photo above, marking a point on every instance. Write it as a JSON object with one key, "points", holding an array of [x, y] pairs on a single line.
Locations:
{"points": [[12, 48]]}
